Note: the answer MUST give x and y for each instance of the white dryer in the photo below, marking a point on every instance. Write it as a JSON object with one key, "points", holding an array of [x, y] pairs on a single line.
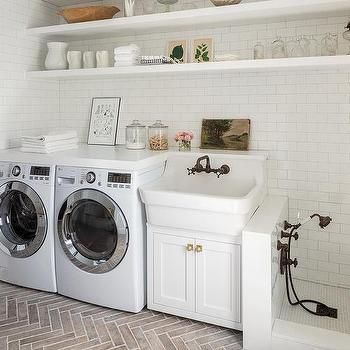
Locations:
{"points": [[26, 225], [100, 236]]}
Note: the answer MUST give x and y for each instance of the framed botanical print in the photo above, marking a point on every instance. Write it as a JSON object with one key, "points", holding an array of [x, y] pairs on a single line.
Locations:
{"points": [[203, 50], [177, 51], [104, 119]]}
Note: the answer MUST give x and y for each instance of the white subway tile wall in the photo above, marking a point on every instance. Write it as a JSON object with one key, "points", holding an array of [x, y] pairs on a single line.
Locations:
{"points": [[301, 118], [26, 107]]}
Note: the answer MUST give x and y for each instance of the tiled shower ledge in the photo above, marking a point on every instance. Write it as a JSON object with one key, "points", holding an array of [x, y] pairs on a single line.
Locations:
{"points": [[232, 66], [211, 17]]}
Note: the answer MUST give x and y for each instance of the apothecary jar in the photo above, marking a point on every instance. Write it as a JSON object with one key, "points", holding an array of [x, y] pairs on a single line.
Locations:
{"points": [[136, 135], [158, 136]]}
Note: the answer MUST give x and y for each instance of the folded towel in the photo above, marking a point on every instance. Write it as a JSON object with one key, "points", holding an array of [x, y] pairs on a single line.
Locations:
{"points": [[125, 64], [49, 144], [127, 49], [48, 150], [129, 58], [52, 136]]}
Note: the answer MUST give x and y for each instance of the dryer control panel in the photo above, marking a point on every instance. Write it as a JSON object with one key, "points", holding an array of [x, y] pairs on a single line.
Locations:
{"points": [[93, 178]]}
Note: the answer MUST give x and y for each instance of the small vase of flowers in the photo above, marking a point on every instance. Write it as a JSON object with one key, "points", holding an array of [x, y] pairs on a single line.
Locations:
{"points": [[184, 139]]}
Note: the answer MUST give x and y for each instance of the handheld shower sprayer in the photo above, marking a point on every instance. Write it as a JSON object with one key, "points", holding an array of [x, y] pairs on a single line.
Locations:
{"points": [[324, 221], [286, 262]]}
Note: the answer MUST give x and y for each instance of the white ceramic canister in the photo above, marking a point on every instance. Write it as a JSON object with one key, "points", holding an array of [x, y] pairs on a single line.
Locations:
{"points": [[102, 58], [74, 59], [57, 56], [89, 59]]}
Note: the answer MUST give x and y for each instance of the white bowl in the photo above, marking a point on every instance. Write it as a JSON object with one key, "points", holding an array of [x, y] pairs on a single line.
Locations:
{"points": [[225, 2]]}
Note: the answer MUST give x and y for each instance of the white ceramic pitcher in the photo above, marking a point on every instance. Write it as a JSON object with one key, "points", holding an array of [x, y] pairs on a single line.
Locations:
{"points": [[57, 56]]}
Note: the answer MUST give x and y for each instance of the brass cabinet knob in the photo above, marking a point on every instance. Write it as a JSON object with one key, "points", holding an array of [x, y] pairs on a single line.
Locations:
{"points": [[199, 249], [189, 247]]}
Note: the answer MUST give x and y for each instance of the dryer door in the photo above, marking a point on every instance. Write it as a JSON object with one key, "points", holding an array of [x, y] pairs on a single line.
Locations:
{"points": [[23, 220], [93, 231]]}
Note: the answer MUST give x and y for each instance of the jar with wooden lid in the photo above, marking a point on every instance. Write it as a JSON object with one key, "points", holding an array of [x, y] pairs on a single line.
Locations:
{"points": [[158, 136]]}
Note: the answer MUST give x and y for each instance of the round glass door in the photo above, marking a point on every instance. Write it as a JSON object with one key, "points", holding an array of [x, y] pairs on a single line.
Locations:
{"points": [[93, 231], [23, 221]]}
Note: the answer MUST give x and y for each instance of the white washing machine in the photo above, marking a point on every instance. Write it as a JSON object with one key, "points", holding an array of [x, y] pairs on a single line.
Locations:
{"points": [[100, 236], [27, 225]]}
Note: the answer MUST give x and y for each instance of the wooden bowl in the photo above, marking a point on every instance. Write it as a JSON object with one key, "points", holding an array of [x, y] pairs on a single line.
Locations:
{"points": [[90, 13], [225, 2]]}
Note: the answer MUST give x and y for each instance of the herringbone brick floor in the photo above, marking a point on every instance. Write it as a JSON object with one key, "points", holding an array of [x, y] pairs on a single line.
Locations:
{"points": [[33, 320]]}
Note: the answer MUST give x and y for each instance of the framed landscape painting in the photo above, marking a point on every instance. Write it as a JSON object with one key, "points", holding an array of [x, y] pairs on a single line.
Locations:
{"points": [[231, 134]]}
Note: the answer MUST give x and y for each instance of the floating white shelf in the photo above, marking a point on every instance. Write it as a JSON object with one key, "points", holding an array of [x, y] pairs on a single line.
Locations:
{"points": [[233, 66], [262, 11], [61, 3]]}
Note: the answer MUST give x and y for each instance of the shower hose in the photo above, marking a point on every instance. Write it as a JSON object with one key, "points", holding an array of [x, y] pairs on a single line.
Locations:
{"points": [[321, 309]]}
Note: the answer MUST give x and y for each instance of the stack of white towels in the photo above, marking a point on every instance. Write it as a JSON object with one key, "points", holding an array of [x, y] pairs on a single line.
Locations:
{"points": [[50, 142], [127, 55]]}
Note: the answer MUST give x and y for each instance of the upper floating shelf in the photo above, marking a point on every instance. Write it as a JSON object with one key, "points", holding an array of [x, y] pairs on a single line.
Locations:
{"points": [[262, 11], [327, 62], [61, 3]]}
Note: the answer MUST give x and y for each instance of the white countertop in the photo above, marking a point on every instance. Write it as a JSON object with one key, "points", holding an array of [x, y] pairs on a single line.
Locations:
{"points": [[109, 157], [106, 157]]}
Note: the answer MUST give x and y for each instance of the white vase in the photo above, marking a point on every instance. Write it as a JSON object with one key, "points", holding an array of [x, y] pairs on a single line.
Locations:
{"points": [[129, 8], [57, 56]]}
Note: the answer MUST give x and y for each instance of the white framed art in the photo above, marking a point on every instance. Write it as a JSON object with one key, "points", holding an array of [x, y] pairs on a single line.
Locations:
{"points": [[104, 119]]}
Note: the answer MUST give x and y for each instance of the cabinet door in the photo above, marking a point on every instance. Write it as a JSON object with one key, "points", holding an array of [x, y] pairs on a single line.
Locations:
{"points": [[174, 269], [218, 280]]}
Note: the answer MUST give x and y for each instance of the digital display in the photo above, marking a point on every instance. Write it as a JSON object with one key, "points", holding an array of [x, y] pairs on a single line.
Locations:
{"points": [[40, 171], [119, 178]]}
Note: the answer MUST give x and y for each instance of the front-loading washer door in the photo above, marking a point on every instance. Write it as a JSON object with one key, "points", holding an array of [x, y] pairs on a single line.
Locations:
{"points": [[93, 231], [23, 220]]}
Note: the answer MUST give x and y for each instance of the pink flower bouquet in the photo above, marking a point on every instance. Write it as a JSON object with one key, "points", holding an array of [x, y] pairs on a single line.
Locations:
{"points": [[184, 138]]}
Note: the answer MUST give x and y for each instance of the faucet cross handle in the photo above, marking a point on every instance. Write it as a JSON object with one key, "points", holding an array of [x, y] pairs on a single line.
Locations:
{"points": [[223, 170], [191, 171]]}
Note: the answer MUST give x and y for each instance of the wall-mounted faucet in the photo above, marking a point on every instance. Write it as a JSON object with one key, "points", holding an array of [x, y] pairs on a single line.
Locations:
{"points": [[199, 168]]}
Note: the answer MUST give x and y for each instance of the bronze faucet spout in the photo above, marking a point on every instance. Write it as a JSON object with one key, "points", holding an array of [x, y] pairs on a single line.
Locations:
{"points": [[199, 168]]}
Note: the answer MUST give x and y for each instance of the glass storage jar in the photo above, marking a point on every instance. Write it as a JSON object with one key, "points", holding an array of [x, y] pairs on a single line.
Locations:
{"points": [[135, 135], [158, 136]]}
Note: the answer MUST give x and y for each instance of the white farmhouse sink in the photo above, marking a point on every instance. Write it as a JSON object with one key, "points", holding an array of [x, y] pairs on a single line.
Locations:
{"points": [[203, 202]]}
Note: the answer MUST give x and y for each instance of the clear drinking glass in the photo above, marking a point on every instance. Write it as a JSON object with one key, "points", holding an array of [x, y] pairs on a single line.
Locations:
{"points": [[167, 4], [314, 48], [278, 48], [329, 45], [259, 51], [148, 7], [346, 34], [298, 50], [304, 42], [290, 47]]}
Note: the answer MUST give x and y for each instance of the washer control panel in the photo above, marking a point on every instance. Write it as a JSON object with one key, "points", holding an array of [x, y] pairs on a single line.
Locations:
{"points": [[119, 180], [28, 172], [39, 173]]}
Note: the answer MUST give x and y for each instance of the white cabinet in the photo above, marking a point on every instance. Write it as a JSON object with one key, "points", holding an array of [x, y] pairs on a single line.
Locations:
{"points": [[218, 280], [194, 277], [174, 272]]}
